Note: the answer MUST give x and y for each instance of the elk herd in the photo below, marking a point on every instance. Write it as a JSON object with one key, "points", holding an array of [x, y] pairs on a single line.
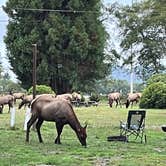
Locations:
{"points": [[117, 97], [58, 109]]}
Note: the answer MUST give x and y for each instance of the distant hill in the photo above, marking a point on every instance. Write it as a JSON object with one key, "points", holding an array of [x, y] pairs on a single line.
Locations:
{"points": [[122, 74]]}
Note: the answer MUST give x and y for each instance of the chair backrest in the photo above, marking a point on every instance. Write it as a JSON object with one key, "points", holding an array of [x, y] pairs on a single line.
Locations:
{"points": [[136, 119]]}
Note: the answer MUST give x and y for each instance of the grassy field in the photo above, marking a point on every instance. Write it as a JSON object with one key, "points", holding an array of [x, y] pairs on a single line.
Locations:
{"points": [[102, 122]]}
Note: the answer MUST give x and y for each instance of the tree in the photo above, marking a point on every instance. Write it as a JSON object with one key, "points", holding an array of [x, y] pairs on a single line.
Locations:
{"points": [[70, 44], [156, 78], [1, 69], [106, 86], [41, 89], [154, 94], [143, 31]]}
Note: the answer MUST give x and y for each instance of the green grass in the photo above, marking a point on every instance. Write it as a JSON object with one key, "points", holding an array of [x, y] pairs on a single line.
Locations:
{"points": [[102, 122]]}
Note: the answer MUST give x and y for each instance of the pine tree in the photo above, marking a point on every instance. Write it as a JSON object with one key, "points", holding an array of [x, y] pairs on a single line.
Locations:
{"points": [[70, 44]]}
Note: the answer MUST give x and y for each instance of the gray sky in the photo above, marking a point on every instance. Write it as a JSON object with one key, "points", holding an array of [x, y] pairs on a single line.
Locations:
{"points": [[3, 58]]}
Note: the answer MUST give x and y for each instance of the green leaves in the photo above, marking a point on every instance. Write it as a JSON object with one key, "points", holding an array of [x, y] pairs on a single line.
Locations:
{"points": [[143, 32], [75, 40]]}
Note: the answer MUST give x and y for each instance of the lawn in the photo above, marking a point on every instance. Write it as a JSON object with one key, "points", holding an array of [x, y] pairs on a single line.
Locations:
{"points": [[102, 122]]}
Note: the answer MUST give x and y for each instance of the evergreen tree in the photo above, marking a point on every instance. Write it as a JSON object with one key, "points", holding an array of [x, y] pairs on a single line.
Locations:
{"points": [[70, 44]]}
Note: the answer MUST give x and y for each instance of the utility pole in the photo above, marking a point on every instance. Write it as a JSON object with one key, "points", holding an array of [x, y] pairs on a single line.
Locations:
{"points": [[34, 69], [131, 70]]}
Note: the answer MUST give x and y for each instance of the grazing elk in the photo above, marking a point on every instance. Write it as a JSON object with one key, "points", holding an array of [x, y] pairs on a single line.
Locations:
{"points": [[56, 110], [114, 97], [7, 99], [26, 101], [18, 96], [132, 97], [76, 96], [65, 96]]}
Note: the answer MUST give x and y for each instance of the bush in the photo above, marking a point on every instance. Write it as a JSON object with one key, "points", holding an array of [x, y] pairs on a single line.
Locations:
{"points": [[157, 78], [154, 96], [94, 97], [41, 89]]}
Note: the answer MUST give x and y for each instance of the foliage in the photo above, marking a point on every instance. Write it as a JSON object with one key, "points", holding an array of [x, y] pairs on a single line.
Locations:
{"points": [[143, 36], [7, 85], [154, 96], [94, 97], [70, 44], [106, 86], [157, 78], [41, 89], [102, 122]]}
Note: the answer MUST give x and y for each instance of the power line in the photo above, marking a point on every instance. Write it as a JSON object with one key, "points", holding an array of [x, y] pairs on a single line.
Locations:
{"points": [[59, 11]]}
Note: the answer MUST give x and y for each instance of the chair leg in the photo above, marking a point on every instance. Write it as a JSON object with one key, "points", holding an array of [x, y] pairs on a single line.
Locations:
{"points": [[145, 138]]}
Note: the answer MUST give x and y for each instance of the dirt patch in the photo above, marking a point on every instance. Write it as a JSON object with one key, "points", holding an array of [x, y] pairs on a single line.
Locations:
{"points": [[102, 161]]}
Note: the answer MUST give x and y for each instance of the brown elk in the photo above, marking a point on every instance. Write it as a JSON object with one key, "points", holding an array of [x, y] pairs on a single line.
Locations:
{"points": [[114, 97], [18, 96], [132, 97], [76, 96], [66, 96], [56, 110], [7, 99], [26, 101]]}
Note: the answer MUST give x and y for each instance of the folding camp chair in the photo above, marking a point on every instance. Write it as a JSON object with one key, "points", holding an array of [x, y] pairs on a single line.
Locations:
{"points": [[135, 125]]}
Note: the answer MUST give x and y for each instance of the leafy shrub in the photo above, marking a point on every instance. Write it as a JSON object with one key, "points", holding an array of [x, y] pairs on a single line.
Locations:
{"points": [[41, 89], [157, 78], [82, 98], [94, 97], [154, 96]]}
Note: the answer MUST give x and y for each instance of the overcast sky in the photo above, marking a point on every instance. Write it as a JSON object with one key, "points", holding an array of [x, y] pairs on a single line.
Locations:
{"points": [[3, 23]]}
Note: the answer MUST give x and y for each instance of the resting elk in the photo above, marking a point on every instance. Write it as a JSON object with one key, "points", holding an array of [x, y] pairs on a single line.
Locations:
{"points": [[114, 97], [59, 111], [132, 97], [7, 99]]}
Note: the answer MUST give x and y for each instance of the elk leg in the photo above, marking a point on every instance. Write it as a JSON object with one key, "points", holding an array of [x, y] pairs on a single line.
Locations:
{"points": [[38, 125], [110, 102], [116, 103], [2, 107], [132, 104], [29, 124], [120, 103], [59, 128], [9, 108]]}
